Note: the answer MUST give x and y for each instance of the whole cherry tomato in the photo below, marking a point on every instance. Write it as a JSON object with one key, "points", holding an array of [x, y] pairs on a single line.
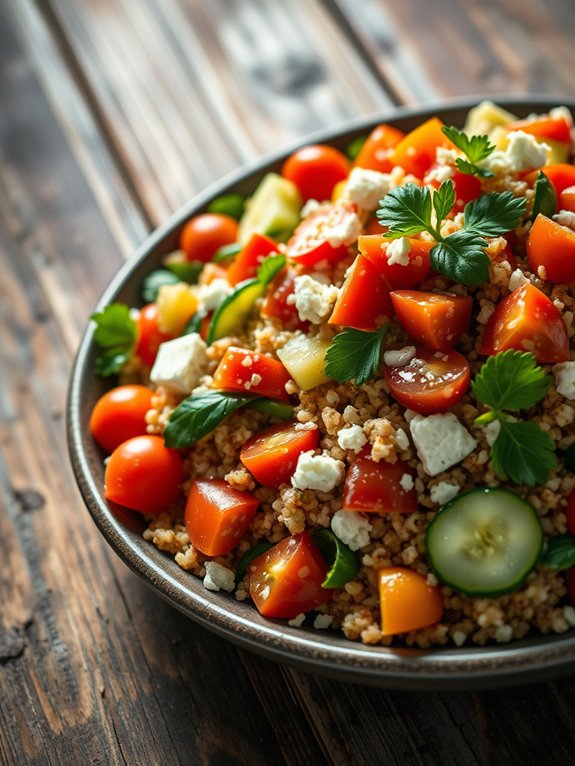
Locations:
{"points": [[149, 334], [202, 235], [315, 170], [120, 414]]}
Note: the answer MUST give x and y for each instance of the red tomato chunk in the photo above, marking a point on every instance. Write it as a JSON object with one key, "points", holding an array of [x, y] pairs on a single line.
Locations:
{"points": [[248, 372], [437, 320], [271, 456], [380, 487]]}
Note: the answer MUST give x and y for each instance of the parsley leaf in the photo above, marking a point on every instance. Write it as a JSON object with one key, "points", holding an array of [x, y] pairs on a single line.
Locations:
{"points": [[270, 267], [475, 148], [115, 336], [472, 170], [406, 210], [443, 200], [545, 198], [560, 552], [461, 256], [354, 354], [199, 414], [511, 380], [523, 453], [494, 214]]}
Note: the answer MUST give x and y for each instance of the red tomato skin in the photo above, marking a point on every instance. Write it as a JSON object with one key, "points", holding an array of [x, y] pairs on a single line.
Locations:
{"points": [[410, 384], [435, 320], [555, 129], [246, 263], [238, 367], [203, 234], [467, 187], [561, 175], [309, 246], [120, 414], [276, 305], [296, 587], [571, 584], [567, 199], [536, 325], [144, 475], [213, 504], [570, 513], [271, 456], [372, 487], [315, 170], [149, 334], [551, 247], [378, 147], [363, 301], [399, 277]]}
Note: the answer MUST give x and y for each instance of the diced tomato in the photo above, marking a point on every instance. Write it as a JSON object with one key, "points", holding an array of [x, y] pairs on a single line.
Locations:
{"points": [[407, 601], [551, 250], [246, 263], [248, 372], [567, 199], [149, 334], [527, 321], [570, 513], [561, 176], [286, 580], [315, 170], [377, 148], [433, 381], [467, 187], [217, 515], [437, 320], [373, 226], [555, 129], [310, 244], [372, 487], [416, 152], [363, 301], [276, 304], [271, 456], [571, 584], [399, 277]]}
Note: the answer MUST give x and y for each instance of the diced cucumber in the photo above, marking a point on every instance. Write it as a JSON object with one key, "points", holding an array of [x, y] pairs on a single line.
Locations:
{"points": [[272, 209], [304, 359], [235, 309], [484, 542]]}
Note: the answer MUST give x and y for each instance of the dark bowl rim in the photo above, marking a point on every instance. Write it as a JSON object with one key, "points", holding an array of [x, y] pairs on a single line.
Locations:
{"points": [[534, 659]]}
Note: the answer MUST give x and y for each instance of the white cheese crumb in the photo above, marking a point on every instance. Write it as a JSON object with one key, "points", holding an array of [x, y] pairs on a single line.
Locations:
{"points": [[443, 492], [561, 112], [319, 472], [180, 363], [350, 414], [485, 312], [401, 439], [524, 152], [517, 280], [210, 296], [323, 621], [311, 206], [445, 156], [398, 251], [564, 373], [503, 634], [565, 218], [313, 300], [352, 438], [365, 187], [441, 441], [218, 577], [344, 233], [440, 173], [406, 482], [569, 614], [492, 431], [351, 528], [459, 637], [297, 621], [399, 358]]}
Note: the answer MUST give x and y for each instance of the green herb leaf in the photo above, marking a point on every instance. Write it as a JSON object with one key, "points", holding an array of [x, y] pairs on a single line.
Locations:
{"points": [[228, 204], [472, 170], [494, 214], [523, 453], [354, 147], [443, 200], [354, 354], [406, 210], [461, 256], [186, 271], [560, 553], [545, 198], [226, 252], [250, 556], [569, 458], [156, 279], [343, 562], [511, 380], [115, 335], [194, 324], [272, 408], [475, 148], [199, 414], [270, 267]]}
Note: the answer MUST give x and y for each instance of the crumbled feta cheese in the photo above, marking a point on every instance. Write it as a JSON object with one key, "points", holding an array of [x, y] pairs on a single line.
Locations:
{"points": [[180, 363], [311, 206], [441, 441], [351, 528], [399, 358], [313, 300], [440, 173], [398, 251], [459, 637], [210, 296], [344, 233], [445, 156], [350, 414], [517, 280], [564, 373], [297, 621], [503, 634], [320, 472], [565, 218], [443, 492], [401, 439], [365, 188], [406, 482], [524, 152], [323, 621], [352, 438], [218, 577]]}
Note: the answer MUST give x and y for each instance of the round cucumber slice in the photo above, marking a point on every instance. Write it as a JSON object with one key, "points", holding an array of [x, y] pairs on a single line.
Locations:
{"points": [[234, 310], [484, 542]]}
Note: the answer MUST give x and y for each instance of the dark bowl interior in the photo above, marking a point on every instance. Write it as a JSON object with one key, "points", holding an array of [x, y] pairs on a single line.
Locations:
{"points": [[328, 653]]}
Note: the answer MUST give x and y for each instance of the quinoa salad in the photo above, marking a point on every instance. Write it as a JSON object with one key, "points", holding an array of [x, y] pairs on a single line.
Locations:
{"points": [[349, 399]]}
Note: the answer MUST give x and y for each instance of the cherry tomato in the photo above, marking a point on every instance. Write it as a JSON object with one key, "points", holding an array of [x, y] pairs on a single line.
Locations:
{"points": [[310, 244], [416, 152], [315, 170], [120, 414], [437, 320], [527, 321], [217, 516], [467, 188], [286, 580], [567, 199], [248, 372], [246, 263], [276, 304], [433, 381], [149, 334], [399, 276], [271, 456], [377, 148], [570, 513], [571, 584], [372, 487], [407, 601], [202, 235], [143, 474], [363, 301], [551, 250], [561, 176], [554, 129]]}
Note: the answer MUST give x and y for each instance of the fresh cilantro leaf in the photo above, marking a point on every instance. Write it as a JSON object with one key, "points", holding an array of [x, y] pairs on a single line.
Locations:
{"points": [[494, 214], [461, 256], [228, 204], [560, 552], [354, 354], [270, 267], [406, 210], [472, 170], [475, 148], [523, 453], [511, 380], [545, 198], [115, 336], [156, 279], [443, 200], [199, 414]]}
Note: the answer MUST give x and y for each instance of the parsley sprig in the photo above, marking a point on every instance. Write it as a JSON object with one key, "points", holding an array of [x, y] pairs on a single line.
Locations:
{"points": [[354, 354], [544, 198], [512, 381], [475, 148], [560, 553], [115, 336], [407, 210]]}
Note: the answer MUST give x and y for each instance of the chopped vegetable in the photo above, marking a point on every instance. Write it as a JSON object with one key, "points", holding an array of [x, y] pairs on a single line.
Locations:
{"points": [[120, 414], [379, 487], [305, 357], [407, 601], [115, 335], [355, 354], [344, 563], [436, 320], [271, 456]]}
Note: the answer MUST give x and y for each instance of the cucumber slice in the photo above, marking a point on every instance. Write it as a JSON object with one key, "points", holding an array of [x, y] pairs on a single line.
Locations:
{"points": [[235, 309], [273, 207], [484, 542]]}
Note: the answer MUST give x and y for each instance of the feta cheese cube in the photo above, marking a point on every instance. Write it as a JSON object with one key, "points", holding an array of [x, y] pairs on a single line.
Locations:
{"points": [[351, 528], [344, 233], [564, 373], [352, 438], [441, 441], [565, 218], [297, 621], [320, 472], [180, 363], [218, 577], [210, 296], [399, 358], [398, 250], [350, 414], [313, 299], [366, 187], [524, 152], [443, 492]]}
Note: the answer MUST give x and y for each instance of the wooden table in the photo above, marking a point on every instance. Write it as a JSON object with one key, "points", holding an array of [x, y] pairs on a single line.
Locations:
{"points": [[112, 114]]}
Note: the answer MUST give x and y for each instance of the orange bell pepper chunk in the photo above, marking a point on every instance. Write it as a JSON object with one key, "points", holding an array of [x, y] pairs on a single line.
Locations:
{"points": [[436, 320], [363, 301], [551, 250], [557, 129], [377, 149], [416, 152], [407, 601]]}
